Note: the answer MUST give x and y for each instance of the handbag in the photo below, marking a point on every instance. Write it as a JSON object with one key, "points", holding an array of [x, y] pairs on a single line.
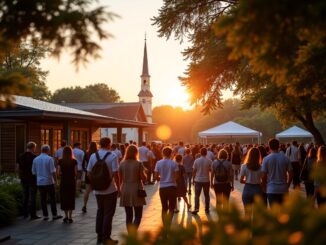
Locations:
{"points": [[141, 192]]}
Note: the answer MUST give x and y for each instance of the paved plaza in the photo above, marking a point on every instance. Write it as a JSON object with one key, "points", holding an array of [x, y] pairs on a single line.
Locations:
{"points": [[82, 231]]}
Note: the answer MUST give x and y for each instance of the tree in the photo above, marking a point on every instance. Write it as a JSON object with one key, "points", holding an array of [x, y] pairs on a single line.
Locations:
{"points": [[24, 60], [99, 92], [239, 45], [55, 24]]}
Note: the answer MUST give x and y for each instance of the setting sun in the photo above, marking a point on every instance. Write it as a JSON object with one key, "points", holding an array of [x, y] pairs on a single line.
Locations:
{"points": [[179, 97], [163, 132]]}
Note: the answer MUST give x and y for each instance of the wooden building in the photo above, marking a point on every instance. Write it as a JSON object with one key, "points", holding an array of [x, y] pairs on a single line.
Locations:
{"points": [[46, 123]]}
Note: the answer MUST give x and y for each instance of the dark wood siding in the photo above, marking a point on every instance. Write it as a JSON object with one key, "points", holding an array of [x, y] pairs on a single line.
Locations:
{"points": [[7, 147]]}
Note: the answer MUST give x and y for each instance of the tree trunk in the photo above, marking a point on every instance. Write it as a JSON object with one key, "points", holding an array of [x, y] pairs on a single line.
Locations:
{"points": [[310, 126]]}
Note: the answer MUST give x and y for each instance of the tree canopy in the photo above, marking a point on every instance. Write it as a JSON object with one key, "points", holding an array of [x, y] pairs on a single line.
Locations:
{"points": [[72, 24], [271, 53], [99, 92]]}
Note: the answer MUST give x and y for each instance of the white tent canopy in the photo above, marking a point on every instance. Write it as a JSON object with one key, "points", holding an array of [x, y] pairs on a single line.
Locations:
{"points": [[294, 132], [229, 129]]}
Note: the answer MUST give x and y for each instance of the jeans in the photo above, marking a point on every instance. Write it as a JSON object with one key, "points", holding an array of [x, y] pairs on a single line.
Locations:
{"points": [[188, 177], [222, 192], [46, 190], [296, 174], [168, 196], [249, 193], [106, 205], [310, 189], [198, 187], [275, 198], [29, 199], [129, 216]]}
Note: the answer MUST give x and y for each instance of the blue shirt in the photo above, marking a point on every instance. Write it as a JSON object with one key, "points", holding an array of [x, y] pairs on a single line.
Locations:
{"points": [[43, 167], [276, 166], [166, 168], [113, 166], [188, 163]]}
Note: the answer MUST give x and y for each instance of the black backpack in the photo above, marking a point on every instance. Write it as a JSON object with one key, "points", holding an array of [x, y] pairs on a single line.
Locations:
{"points": [[100, 174], [221, 173]]}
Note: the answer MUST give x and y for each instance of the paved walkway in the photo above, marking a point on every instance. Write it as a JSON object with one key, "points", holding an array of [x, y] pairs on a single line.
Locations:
{"points": [[82, 231]]}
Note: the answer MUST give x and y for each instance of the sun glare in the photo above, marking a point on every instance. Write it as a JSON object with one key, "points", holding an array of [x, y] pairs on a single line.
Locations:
{"points": [[180, 97], [163, 132]]}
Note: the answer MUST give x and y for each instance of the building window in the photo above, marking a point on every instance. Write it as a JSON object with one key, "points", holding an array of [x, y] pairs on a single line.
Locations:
{"points": [[145, 81], [114, 138], [144, 101], [45, 136], [57, 137], [79, 136], [123, 138]]}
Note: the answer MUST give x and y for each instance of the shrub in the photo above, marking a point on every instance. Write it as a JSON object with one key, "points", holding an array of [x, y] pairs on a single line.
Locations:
{"points": [[8, 210]]}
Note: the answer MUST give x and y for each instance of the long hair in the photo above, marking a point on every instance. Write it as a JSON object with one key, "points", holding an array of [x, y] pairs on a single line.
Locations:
{"points": [[92, 148], [253, 159], [131, 153], [223, 154], [262, 150], [67, 153], [321, 154], [312, 153]]}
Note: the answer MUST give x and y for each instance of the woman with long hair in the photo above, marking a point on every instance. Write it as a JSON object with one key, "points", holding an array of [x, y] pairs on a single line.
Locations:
{"points": [[132, 174], [236, 158], [305, 174], [251, 176], [321, 163], [67, 169], [92, 148]]}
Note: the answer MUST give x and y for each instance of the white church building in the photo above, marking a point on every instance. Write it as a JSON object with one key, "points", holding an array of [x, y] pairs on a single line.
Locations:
{"points": [[134, 111]]}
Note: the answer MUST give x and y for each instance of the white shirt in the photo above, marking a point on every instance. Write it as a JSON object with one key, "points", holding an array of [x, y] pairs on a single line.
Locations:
{"points": [[79, 156], [143, 154], [210, 155], [292, 153], [166, 169], [43, 167], [113, 166], [252, 177], [118, 153], [58, 154], [181, 150]]}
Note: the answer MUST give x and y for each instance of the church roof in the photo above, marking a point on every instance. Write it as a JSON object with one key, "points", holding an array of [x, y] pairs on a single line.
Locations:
{"points": [[145, 62], [128, 111], [145, 93]]}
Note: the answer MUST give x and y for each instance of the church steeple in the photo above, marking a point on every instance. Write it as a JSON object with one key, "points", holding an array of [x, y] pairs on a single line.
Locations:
{"points": [[145, 95], [145, 61]]}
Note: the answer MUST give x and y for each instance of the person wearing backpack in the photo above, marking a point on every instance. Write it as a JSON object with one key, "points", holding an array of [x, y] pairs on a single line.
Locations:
{"points": [[202, 167], [102, 169], [222, 178]]}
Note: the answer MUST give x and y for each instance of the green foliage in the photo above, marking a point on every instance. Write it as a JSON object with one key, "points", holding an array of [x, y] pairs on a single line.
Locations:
{"points": [[8, 209], [99, 92], [61, 24]]}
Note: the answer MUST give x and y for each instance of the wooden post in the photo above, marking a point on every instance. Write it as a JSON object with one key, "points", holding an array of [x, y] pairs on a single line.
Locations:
{"points": [[140, 136], [119, 135]]}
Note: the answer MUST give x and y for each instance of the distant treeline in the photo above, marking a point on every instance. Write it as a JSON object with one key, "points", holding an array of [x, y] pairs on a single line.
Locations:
{"points": [[185, 124]]}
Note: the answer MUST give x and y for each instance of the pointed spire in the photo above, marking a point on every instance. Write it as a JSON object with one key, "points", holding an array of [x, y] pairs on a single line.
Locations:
{"points": [[145, 62]]}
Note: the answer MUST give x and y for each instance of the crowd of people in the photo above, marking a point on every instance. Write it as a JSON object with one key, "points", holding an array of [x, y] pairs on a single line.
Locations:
{"points": [[115, 171]]}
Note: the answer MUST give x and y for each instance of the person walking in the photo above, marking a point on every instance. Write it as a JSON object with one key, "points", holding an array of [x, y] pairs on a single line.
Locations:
{"points": [[181, 184], [91, 149], [106, 199], [321, 162], [236, 158], [67, 170], [28, 181], [44, 169], [222, 180], [201, 169], [166, 171], [305, 174], [58, 154], [79, 156], [292, 152], [132, 173], [144, 158], [277, 173], [251, 177], [188, 162]]}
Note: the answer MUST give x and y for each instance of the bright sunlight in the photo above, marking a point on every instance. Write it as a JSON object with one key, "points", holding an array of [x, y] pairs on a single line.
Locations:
{"points": [[179, 97]]}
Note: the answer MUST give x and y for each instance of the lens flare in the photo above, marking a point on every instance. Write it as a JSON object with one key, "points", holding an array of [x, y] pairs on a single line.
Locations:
{"points": [[163, 132]]}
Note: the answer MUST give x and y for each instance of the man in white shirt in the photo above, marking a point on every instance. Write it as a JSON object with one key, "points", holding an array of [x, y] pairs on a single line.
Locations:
{"points": [[292, 153], [201, 169], [144, 155], [106, 199], [116, 151], [58, 154], [44, 169], [79, 156]]}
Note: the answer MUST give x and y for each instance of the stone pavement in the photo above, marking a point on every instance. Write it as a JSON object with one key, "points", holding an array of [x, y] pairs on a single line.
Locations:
{"points": [[82, 231]]}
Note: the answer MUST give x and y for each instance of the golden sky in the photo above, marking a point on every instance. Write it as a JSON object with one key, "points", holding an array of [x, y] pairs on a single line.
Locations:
{"points": [[121, 62]]}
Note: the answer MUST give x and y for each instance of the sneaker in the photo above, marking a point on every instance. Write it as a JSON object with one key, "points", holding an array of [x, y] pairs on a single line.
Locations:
{"points": [[46, 218], [84, 209], [195, 212], [110, 241], [35, 217], [56, 217]]}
